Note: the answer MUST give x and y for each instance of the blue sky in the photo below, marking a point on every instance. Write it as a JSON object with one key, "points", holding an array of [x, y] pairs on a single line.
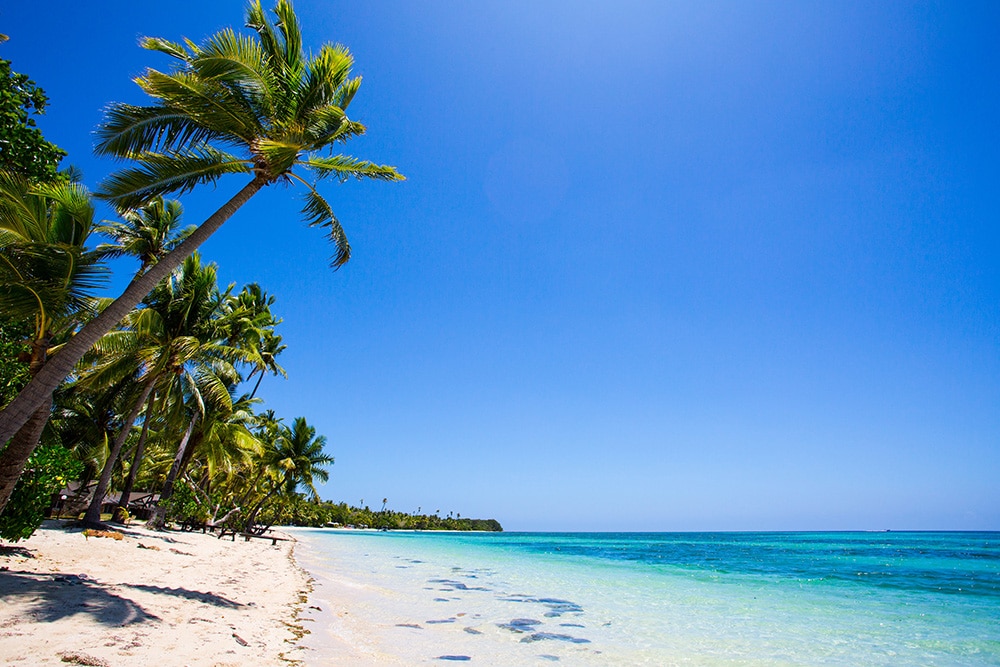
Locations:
{"points": [[656, 266]]}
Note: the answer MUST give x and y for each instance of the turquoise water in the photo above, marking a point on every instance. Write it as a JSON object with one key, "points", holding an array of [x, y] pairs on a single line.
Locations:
{"points": [[658, 599]]}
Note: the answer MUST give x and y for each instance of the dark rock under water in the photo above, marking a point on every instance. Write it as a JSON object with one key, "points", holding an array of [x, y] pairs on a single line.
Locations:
{"points": [[547, 636]]}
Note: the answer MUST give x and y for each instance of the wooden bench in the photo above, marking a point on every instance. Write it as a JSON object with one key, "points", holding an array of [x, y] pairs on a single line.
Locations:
{"points": [[246, 536], [274, 538]]}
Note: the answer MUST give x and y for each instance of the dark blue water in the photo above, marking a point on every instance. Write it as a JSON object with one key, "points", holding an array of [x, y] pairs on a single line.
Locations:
{"points": [[964, 564]]}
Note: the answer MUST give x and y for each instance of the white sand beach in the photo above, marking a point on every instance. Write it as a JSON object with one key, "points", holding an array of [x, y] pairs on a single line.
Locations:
{"points": [[167, 598]]}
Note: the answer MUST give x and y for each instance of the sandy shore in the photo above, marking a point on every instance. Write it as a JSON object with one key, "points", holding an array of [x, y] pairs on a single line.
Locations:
{"points": [[151, 598]]}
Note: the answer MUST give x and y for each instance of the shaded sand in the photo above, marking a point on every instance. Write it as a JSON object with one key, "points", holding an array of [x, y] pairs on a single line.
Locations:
{"points": [[151, 598]]}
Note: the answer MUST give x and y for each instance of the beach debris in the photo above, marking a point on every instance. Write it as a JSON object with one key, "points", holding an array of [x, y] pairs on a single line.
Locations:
{"points": [[179, 552], [312, 606], [113, 534], [472, 631], [415, 626], [443, 620], [151, 547], [84, 659], [240, 640], [455, 658]]}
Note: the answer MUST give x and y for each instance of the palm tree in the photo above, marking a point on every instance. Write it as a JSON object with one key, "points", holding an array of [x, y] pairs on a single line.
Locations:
{"points": [[147, 233], [173, 334], [295, 458], [303, 457], [47, 275], [250, 324], [209, 397], [237, 104]]}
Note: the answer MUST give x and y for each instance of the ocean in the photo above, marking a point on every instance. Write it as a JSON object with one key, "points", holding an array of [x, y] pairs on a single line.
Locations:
{"points": [[407, 598]]}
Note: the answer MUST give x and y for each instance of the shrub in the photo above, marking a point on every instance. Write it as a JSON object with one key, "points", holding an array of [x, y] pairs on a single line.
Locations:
{"points": [[48, 470]]}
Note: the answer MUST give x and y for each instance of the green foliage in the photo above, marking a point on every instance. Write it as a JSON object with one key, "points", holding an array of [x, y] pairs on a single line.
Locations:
{"points": [[49, 469], [13, 366], [23, 150], [183, 505], [241, 103], [298, 511]]}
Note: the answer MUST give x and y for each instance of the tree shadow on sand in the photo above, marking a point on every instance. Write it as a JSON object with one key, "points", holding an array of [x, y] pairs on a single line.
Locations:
{"points": [[56, 596], [207, 598]]}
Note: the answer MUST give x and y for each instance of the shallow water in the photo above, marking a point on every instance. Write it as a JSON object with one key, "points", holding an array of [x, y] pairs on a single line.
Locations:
{"points": [[655, 599]]}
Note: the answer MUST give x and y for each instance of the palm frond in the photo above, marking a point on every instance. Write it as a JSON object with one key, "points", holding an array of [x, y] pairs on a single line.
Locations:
{"points": [[172, 49], [344, 167], [23, 218], [129, 130], [279, 154], [318, 213], [159, 174], [325, 74], [208, 104], [328, 125], [288, 25], [235, 59]]}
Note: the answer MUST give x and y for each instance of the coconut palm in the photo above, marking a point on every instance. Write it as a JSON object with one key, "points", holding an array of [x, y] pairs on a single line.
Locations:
{"points": [[147, 233], [47, 275], [301, 457], [237, 104], [173, 335], [208, 399], [250, 324], [295, 458]]}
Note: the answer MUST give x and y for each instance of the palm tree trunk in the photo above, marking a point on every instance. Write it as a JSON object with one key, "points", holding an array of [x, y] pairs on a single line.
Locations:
{"points": [[93, 516], [189, 451], [252, 515], [257, 386], [41, 386], [15, 457], [133, 469], [158, 519]]}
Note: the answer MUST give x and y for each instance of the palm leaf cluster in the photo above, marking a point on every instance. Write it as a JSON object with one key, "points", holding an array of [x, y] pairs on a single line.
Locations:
{"points": [[253, 104], [47, 274]]}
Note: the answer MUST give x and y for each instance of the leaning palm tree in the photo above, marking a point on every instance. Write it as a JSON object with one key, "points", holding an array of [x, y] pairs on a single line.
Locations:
{"points": [[47, 275], [236, 104]]}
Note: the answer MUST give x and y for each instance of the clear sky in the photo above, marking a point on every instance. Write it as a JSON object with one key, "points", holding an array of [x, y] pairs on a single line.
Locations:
{"points": [[657, 266]]}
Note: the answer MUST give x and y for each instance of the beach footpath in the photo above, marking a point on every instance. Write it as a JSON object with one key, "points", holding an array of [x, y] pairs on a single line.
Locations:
{"points": [[169, 598]]}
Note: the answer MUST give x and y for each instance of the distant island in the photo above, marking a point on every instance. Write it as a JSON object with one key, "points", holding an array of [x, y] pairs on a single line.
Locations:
{"points": [[329, 514]]}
